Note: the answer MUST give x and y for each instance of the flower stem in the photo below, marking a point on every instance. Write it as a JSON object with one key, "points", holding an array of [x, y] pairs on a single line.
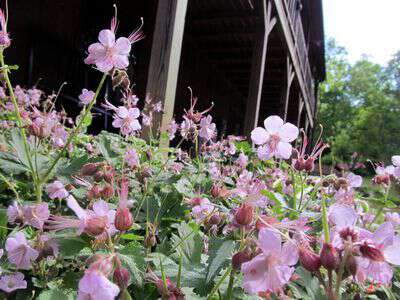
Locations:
{"points": [[325, 221], [216, 287], [230, 286], [75, 131]]}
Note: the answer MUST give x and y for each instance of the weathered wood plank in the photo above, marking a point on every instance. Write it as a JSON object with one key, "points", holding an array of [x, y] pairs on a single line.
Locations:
{"points": [[289, 79], [257, 71], [165, 58]]}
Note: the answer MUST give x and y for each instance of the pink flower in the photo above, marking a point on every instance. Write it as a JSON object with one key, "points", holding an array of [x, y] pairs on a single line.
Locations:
{"points": [[378, 250], [94, 285], [172, 129], [354, 180], [125, 118], [342, 216], [383, 174], [34, 96], [98, 221], [396, 164], [10, 283], [36, 215], [15, 213], [56, 190], [202, 210], [272, 269], [207, 128], [275, 139], [86, 96], [59, 137], [5, 40], [19, 252], [110, 53], [132, 158], [393, 218]]}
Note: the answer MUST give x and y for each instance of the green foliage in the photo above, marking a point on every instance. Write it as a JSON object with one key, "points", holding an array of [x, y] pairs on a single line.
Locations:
{"points": [[359, 106]]}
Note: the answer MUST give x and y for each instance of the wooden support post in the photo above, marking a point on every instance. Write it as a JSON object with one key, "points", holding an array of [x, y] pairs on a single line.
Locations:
{"points": [[257, 70], [301, 106], [289, 80], [165, 57]]}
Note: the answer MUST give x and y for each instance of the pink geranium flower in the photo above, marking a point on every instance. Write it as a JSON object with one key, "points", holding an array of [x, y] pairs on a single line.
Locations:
{"points": [[19, 252], [125, 118], [86, 96], [378, 250], [396, 164], [56, 190], [272, 269], [207, 128], [132, 158], [59, 136], [275, 138], [36, 215], [10, 283], [15, 213], [110, 53], [94, 285]]}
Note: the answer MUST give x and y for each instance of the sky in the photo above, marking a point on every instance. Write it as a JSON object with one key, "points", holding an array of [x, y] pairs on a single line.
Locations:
{"points": [[369, 27]]}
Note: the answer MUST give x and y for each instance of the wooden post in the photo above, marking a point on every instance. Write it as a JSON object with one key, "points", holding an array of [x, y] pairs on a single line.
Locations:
{"points": [[257, 70], [165, 57], [301, 106], [289, 80]]}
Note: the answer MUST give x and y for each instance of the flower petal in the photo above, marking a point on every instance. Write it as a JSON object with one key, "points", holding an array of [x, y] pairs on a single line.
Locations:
{"points": [[392, 252], [107, 37], [396, 160], [284, 150], [123, 45], [288, 132], [384, 234], [269, 242], [259, 136], [273, 123]]}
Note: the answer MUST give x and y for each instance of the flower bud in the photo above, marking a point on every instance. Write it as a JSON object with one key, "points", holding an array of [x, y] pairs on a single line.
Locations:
{"points": [[215, 190], [371, 252], [107, 192], [150, 241], [309, 260], [89, 169], [123, 219], [98, 176], [351, 264], [5, 40], [329, 257], [94, 192], [244, 214], [121, 277], [215, 219], [95, 225], [239, 258]]}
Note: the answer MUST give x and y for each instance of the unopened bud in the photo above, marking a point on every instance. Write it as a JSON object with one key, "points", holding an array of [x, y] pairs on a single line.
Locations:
{"points": [[121, 277], [215, 219], [94, 192], [89, 169], [95, 225], [215, 190], [5, 40], [329, 257], [239, 258], [107, 192], [150, 241], [309, 260], [123, 219], [244, 214]]}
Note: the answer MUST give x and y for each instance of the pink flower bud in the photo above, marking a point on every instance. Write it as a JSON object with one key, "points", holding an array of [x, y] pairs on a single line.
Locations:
{"points": [[123, 219], [150, 241], [121, 277], [329, 257], [239, 258], [351, 264], [309, 260], [94, 192], [89, 169], [215, 190], [244, 214], [107, 192]]}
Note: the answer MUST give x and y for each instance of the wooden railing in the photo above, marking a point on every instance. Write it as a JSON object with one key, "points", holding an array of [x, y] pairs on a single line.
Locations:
{"points": [[293, 13]]}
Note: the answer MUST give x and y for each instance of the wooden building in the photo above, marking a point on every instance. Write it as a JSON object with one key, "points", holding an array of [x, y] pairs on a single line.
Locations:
{"points": [[252, 58]]}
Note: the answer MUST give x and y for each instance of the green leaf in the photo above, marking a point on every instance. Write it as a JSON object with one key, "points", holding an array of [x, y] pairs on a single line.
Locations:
{"points": [[132, 256], [18, 145], [105, 147], [70, 246], [184, 186], [189, 241], [10, 164], [220, 252], [55, 295], [3, 224]]}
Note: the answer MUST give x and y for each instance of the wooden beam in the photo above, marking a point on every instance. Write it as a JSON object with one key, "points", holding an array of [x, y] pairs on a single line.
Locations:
{"points": [[258, 68], [293, 54], [300, 110], [165, 57], [289, 80]]}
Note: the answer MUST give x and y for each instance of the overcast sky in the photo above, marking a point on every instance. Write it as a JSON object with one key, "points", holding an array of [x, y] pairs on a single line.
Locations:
{"points": [[369, 27]]}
